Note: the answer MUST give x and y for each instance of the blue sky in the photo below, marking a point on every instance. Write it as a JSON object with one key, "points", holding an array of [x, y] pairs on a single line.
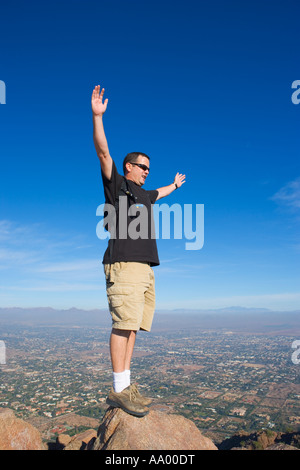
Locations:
{"points": [[204, 88]]}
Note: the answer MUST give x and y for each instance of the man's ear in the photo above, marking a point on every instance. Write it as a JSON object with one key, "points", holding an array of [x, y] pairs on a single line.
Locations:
{"points": [[128, 167]]}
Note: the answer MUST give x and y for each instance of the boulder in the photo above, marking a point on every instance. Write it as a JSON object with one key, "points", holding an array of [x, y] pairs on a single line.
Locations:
{"points": [[82, 441], [62, 441], [16, 434], [281, 446], [155, 431]]}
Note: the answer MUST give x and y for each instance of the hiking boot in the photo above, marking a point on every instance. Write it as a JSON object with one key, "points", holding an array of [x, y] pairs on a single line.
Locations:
{"points": [[127, 401], [139, 397]]}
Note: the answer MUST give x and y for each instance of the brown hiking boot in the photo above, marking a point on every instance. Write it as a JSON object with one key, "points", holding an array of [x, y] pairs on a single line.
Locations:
{"points": [[139, 397], [127, 401]]}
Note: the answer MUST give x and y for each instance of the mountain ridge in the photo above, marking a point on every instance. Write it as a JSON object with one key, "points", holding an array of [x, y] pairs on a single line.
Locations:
{"points": [[232, 319]]}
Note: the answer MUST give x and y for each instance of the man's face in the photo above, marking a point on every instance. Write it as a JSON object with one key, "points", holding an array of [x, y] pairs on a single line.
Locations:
{"points": [[135, 173]]}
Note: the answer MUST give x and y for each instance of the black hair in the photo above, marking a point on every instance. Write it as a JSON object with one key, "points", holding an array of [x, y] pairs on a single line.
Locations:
{"points": [[132, 158]]}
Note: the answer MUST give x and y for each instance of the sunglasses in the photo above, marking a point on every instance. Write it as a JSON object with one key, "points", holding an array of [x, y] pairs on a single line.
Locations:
{"points": [[141, 165]]}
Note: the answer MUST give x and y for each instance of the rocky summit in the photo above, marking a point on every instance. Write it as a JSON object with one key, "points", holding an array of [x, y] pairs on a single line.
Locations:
{"points": [[118, 430], [155, 431]]}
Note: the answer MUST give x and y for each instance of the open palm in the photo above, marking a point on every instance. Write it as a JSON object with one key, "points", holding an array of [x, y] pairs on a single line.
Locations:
{"points": [[98, 107], [179, 179]]}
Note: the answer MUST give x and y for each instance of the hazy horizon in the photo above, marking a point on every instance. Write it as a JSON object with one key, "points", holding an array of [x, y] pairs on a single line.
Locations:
{"points": [[252, 321]]}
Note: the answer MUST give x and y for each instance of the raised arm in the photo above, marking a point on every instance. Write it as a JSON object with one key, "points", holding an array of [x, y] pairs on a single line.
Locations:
{"points": [[166, 190], [101, 146]]}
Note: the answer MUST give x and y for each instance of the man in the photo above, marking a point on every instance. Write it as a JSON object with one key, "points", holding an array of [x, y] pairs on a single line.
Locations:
{"points": [[128, 260]]}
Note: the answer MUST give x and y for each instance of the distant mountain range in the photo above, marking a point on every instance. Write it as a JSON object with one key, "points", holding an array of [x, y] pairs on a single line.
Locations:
{"points": [[260, 320]]}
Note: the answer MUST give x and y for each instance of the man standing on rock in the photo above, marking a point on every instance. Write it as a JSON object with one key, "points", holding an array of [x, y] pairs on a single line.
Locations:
{"points": [[128, 259]]}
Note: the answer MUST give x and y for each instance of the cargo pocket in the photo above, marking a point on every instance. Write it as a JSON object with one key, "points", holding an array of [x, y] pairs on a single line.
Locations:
{"points": [[119, 301], [116, 300]]}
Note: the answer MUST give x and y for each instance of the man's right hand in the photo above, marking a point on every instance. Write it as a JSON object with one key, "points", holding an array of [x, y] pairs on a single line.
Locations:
{"points": [[98, 107], [100, 141]]}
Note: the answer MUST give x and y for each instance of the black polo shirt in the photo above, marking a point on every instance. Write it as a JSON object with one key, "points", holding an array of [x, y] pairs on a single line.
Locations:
{"points": [[140, 249]]}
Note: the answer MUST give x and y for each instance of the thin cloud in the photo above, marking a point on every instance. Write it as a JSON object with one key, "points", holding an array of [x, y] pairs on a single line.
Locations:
{"points": [[289, 195], [54, 287], [34, 259], [18, 256], [83, 265]]}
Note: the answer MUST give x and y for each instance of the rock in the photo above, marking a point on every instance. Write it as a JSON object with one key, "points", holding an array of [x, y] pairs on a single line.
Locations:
{"points": [[82, 441], [239, 448], [62, 441], [16, 434], [262, 440], [281, 446], [155, 431]]}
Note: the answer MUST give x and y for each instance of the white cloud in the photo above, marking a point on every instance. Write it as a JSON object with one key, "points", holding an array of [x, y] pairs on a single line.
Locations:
{"points": [[54, 287], [82, 265], [35, 260], [13, 256], [289, 195]]}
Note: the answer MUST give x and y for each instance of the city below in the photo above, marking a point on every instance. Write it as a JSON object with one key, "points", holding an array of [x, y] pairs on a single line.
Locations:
{"points": [[227, 371]]}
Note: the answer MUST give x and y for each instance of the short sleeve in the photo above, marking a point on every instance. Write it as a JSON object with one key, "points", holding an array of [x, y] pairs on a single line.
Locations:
{"points": [[153, 195], [112, 185]]}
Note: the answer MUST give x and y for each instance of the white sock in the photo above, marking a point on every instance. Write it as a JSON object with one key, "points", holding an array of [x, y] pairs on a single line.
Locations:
{"points": [[127, 377], [119, 381]]}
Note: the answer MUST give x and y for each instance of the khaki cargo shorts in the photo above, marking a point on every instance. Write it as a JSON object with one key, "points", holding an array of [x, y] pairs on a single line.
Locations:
{"points": [[130, 289]]}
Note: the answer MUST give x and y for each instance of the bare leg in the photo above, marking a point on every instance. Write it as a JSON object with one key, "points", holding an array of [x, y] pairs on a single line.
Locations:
{"points": [[118, 347], [121, 348], [129, 350]]}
